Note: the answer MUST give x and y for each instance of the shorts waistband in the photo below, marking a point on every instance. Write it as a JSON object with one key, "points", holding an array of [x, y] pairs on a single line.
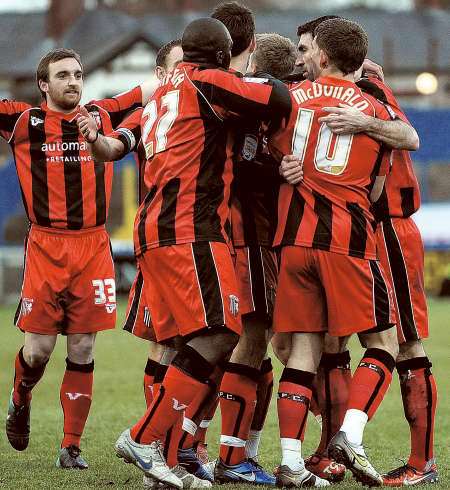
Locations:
{"points": [[65, 232]]}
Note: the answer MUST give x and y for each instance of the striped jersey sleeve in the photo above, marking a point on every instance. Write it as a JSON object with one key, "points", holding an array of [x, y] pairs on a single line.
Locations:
{"points": [[10, 112]]}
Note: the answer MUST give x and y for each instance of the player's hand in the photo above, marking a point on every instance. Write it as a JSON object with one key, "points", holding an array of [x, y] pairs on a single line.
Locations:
{"points": [[291, 169], [373, 69], [345, 119], [87, 125]]}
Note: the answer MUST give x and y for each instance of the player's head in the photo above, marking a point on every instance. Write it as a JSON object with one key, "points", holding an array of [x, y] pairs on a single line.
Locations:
{"points": [[240, 22], [306, 33], [207, 41], [274, 54], [59, 77], [168, 58], [339, 46]]}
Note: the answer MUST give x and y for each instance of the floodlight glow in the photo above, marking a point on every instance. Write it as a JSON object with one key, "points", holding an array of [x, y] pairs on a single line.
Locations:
{"points": [[426, 83]]}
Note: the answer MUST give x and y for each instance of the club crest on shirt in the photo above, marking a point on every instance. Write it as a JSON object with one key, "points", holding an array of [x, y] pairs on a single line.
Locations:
{"points": [[249, 148], [35, 121], [26, 306], [234, 304]]}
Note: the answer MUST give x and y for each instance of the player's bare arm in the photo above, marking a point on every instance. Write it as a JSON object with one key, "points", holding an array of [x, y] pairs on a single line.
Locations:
{"points": [[377, 188], [291, 169], [395, 134], [103, 148]]}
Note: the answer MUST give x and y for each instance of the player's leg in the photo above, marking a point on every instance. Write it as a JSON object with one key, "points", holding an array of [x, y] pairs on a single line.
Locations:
{"points": [[89, 307], [360, 304], [330, 392], [300, 332], [76, 397], [401, 254], [256, 271], [138, 322], [30, 364], [210, 323], [38, 315], [419, 396], [154, 358]]}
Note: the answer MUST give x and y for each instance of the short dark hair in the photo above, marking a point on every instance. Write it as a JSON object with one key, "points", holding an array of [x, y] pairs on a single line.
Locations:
{"points": [[53, 56], [239, 21], [274, 54], [311, 26], [164, 51], [345, 42]]}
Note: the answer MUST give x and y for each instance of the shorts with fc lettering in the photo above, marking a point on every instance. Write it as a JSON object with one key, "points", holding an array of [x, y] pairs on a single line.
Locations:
{"points": [[68, 282], [190, 288], [321, 291]]}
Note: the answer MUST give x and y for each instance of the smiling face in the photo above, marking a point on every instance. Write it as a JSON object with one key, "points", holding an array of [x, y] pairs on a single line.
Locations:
{"points": [[65, 84]]}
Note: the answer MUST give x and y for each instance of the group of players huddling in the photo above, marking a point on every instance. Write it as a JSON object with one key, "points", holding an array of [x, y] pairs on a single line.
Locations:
{"points": [[276, 190]]}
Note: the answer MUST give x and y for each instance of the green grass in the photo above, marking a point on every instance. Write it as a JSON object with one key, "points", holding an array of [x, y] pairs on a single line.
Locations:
{"points": [[118, 401]]}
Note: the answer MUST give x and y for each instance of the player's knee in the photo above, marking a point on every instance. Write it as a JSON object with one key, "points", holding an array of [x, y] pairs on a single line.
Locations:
{"points": [[282, 350], [386, 340], [410, 350], [37, 355], [80, 348]]}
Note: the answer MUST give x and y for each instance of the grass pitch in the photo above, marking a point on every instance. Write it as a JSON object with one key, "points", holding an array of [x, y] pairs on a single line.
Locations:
{"points": [[118, 401]]}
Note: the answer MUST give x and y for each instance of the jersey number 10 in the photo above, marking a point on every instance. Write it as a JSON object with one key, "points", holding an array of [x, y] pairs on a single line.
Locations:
{"points": [[332, 151], [158, 141]]}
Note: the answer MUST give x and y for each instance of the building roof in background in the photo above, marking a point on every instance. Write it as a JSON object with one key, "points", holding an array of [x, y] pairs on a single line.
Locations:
{"points": [[402, 41]]}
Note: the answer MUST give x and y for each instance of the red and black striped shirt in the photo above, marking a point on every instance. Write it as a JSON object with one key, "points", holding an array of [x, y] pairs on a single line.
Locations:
{"points": [[188, 144], [255, 188], [401, 193], [62, 186], [330, 208]]}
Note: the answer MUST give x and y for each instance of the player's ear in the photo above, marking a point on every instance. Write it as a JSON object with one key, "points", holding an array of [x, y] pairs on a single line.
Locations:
{"points": [[323, 59], [160, 72], [43, 85]]}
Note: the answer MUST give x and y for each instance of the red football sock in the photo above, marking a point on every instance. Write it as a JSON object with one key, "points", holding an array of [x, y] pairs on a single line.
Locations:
{"points": [[200, 435], [371, 381], [76, 398], [314, 404], [197, 411], [25, 379], [149, 378], [237, 406], [332, 383], [176, 393], [419, 396], [172, 442], [263, 395], [294, 395]]}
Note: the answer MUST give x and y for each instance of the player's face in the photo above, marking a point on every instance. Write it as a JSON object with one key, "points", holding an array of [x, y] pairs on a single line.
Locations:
{"points": [[312, 61], [65, 84], [174, 57], [304, 52]]}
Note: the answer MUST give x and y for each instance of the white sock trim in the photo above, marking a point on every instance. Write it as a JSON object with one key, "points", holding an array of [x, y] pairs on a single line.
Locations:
{"points": [[232, 441], [204, 424], [189, 426]]}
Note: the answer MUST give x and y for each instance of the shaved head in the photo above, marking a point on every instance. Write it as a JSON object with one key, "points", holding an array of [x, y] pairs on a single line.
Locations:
{"points": [[207, 40]]}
